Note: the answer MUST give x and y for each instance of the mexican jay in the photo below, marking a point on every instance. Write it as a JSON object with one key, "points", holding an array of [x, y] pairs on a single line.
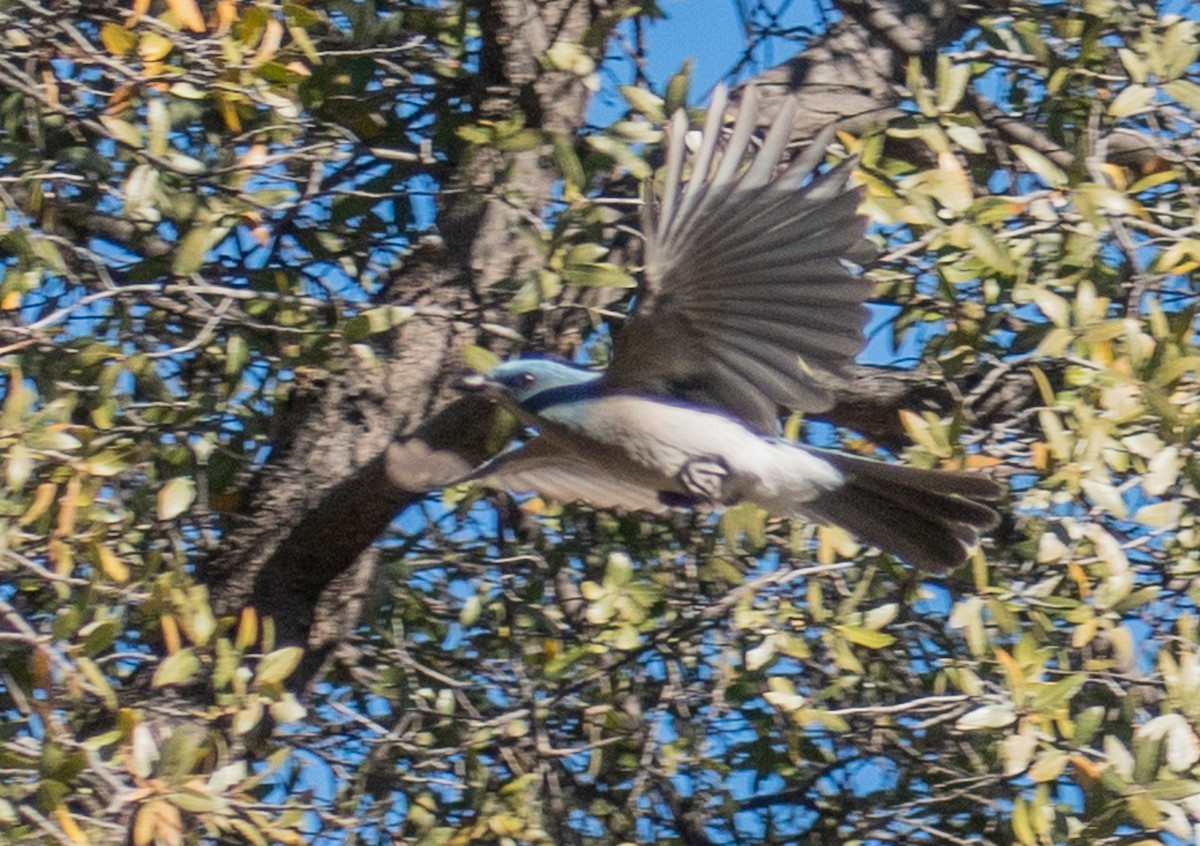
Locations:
{"points": [[745, 307]]}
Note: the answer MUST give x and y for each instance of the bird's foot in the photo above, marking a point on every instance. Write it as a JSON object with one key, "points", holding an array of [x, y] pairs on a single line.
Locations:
{"points": [[705, 480]]}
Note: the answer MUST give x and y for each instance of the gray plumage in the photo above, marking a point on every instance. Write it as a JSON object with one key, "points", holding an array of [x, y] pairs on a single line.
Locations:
{"points": [[745, 307]]}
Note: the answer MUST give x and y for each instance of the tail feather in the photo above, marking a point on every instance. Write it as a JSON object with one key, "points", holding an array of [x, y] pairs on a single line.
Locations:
{"points": [[930, 518]]}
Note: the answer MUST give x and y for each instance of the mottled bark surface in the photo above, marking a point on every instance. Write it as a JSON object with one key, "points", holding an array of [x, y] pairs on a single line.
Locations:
{"points": [[371, 440]]}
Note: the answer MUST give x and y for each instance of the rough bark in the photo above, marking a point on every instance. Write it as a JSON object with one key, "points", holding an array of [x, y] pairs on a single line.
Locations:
{"points": [[379, 435]]}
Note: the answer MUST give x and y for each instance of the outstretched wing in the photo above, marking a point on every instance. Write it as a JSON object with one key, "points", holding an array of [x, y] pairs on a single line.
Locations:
{"points": [[542, 468], [746, 304]]}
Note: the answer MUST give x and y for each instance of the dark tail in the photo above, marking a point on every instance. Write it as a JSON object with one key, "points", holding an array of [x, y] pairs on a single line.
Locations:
{"points": [[930, 518]]}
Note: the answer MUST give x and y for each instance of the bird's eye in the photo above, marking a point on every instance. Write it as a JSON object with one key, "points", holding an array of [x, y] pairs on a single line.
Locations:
{"points": [[525, 380]]}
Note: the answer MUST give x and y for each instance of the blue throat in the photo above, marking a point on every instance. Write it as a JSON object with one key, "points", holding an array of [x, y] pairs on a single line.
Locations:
{"points": [[542, 400]]}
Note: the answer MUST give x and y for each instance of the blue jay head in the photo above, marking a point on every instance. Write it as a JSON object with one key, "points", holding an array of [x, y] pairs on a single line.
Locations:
{"points": [[525, 381]]}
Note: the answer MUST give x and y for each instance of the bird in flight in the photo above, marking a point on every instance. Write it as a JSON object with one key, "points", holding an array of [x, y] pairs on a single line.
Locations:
{"points": [[745, 307]]}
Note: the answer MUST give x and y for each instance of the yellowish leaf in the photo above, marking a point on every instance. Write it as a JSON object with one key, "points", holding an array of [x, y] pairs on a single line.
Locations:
{"points": [[987, 717], [269, 46], [1014, 674], [175, 497], [170, 633], [1089, 768], [1133, 98], [154, 47], [247, 630], [111, 565], [188, 13], [1049, 766], [278, 665], [42, 500], [866, 637], [68, 507], [70, 828], [117, 39], [1041, 166], [176, 669]]}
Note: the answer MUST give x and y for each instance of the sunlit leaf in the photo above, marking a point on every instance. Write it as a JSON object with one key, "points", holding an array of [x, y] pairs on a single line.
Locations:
{"points": [[987, 717], [179, 668], [1040, 166], [866, 637], [278, 665], [175, 497], [1133, 98]]}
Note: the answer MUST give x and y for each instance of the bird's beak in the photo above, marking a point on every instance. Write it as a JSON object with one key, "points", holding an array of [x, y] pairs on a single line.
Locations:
{"points": [[473, 383]]}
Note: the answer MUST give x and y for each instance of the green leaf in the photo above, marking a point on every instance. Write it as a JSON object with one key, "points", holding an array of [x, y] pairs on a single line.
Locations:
{"points": [[376, 320], [587, 253], [1106, 496], [569, 56], [1160, 515], [1017, 751], [288, 710], [968, 138], [278, 665], [1049, 766], [1162, 471], [521, 141], [248, 716], [178, 668], [1185, 92], [158, 122], [599, 275], [1134, 64], [1049, 699], [301, 16], [106, 463], [1053, 306], [475, 134], [175, 497], [869, 638], [1180, 49], [1087, 723], [987, 717], [991, 252], [620, 153], [1173, 791], [20, 466], [478, 359], [122, 131], [189, 255], [1040, 166], [761, 655], [237, 353], [117, 39], [951, 83], [568, 163], [154, 47], [54, 439], [1143, 809], [645, 102], [1021, 825], [677, 89], [1132, 99]]}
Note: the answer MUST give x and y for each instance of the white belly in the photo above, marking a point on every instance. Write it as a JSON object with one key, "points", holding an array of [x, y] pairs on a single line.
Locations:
{"points": [[650, 442]]}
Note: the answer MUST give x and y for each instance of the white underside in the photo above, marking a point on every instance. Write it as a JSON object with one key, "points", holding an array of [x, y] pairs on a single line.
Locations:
{"points": [[649, 443]]}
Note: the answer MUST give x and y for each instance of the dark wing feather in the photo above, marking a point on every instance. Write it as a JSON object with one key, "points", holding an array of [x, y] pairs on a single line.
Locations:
{"points": [[746, 305], [542, 468]]}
